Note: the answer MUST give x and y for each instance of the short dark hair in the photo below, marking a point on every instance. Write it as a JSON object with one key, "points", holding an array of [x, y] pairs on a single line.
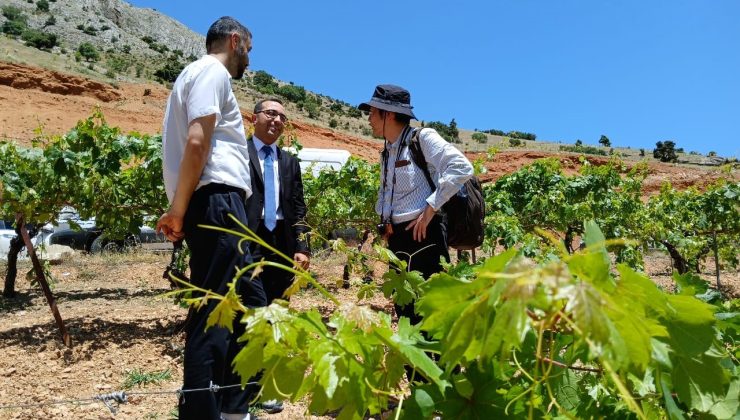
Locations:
{"points": [[258, 105], [402, 118], [223, 28]]}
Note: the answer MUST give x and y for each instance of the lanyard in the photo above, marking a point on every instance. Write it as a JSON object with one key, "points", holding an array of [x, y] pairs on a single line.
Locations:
{"points": [[402, 140]]}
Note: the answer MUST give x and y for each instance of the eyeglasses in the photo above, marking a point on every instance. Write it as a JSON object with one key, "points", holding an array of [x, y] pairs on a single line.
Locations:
{"points": [[272, 114]]}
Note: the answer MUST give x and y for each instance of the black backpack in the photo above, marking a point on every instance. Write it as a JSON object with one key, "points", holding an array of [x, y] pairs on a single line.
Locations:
{"points": [[465, 210]]}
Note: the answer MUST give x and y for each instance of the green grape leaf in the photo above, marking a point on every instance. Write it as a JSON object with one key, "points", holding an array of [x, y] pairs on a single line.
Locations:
{"points": [[674, 413], [690, 325], [402, 286], [223, 314], [485, 402], [700, 381], [690, 284], [443, 300], [404, 343]]}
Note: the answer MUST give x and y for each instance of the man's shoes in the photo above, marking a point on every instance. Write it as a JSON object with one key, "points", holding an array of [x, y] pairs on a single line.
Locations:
{"points": [[271, 406]]}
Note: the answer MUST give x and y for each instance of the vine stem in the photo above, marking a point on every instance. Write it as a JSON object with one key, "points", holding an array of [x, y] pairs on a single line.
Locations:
{"points": [[612, 373], [249, 235]]}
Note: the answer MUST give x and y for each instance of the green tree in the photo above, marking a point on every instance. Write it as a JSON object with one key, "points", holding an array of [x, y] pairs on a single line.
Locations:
{"points": [[579, 143], [604, 141], [88, 52], [480, 137], [665, 151]]}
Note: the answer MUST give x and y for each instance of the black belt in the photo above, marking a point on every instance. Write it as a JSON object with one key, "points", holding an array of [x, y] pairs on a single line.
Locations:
{"points": [[215, 188]]}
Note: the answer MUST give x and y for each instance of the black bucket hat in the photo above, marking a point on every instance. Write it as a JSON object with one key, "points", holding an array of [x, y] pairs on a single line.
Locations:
{"points": [[390, 98]]}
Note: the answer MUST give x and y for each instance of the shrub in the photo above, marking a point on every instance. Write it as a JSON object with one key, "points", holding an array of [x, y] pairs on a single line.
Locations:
{"points": [[14, 27], [642, 152], [514, 142], [312, 108], [354, 112], [480, 137], [333, 123], [170, 70], [264, 82], [336, 108], [712, 154], [590, 150], [50, 21], [126, 49], [291, 92], [40, 40], [448, 132], [579, 143], [494, 132], [118, 63], [13, 13], [42, 6], [88, 52], [521, 135], [604, 141]]}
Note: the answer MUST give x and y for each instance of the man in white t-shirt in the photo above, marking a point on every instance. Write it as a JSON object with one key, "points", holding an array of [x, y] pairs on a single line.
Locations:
{"points": [[206, 176]]}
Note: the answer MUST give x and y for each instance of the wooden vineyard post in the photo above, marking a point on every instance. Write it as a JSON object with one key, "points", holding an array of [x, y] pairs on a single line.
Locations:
{"points": [[716, 259], [41, 278]]}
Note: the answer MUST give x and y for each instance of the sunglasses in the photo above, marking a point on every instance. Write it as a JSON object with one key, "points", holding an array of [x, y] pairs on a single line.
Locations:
{"points": [[272, 114]]}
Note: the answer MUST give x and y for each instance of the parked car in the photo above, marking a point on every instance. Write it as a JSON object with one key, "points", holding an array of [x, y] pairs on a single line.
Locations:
{"points": [[85, 235], [7, 233]]}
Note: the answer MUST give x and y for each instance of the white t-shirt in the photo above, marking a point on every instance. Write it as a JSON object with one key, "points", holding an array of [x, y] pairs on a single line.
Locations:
{"points": [[204, 88]]}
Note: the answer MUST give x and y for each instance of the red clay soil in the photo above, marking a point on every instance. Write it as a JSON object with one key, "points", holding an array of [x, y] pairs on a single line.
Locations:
{"points": [[32, 97]]}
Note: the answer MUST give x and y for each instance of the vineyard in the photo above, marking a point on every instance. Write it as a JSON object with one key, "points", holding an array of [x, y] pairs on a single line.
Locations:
{"points": [[561, 317]]}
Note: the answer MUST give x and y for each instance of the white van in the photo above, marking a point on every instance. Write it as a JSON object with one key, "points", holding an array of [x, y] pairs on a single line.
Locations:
{"points": [[318, 159]]}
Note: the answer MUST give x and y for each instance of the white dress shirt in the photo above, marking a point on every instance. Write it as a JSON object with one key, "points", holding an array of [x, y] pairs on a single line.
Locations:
{"points": [[276, 172], [448, 167], [204, 88]]}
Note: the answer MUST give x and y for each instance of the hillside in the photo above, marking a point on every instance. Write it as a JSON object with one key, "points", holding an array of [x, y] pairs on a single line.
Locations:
{"points": [[53, 88]]}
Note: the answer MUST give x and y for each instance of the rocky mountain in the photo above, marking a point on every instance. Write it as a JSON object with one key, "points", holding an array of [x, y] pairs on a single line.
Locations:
{"points": [[108, 24]]}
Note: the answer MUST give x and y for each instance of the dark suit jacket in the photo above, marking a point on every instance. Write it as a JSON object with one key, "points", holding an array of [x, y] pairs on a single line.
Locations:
{"points": [[291, 199]]}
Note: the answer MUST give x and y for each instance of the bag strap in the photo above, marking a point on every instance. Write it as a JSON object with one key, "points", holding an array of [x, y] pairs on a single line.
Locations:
{"points": [[418, 155]]}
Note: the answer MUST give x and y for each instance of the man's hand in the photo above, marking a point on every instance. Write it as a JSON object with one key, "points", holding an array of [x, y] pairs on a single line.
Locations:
{"points": [[301, 260], [170, 223], [420, 223]]}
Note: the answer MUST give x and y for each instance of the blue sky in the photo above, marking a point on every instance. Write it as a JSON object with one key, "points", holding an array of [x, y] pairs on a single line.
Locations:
{"points": [[636, 71]]}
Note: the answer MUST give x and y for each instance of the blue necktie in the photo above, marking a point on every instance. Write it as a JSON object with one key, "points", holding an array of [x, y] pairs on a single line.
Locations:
{"points": [[270, 205]]}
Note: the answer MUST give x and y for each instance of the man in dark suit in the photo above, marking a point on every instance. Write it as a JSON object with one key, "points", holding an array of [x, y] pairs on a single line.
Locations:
{"points": [[277, 217], [276, 210]]}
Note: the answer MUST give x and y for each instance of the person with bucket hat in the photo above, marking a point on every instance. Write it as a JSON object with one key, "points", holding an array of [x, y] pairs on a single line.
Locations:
{"points": [[407, 204]]}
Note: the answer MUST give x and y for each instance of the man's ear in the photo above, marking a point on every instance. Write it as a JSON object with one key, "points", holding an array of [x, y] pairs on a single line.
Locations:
{"points": [[234, 41]]}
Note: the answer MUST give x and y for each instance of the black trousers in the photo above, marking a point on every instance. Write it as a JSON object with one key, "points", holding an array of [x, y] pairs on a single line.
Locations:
{"points": [[213, 261], [402, 243], [274, 280]]}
